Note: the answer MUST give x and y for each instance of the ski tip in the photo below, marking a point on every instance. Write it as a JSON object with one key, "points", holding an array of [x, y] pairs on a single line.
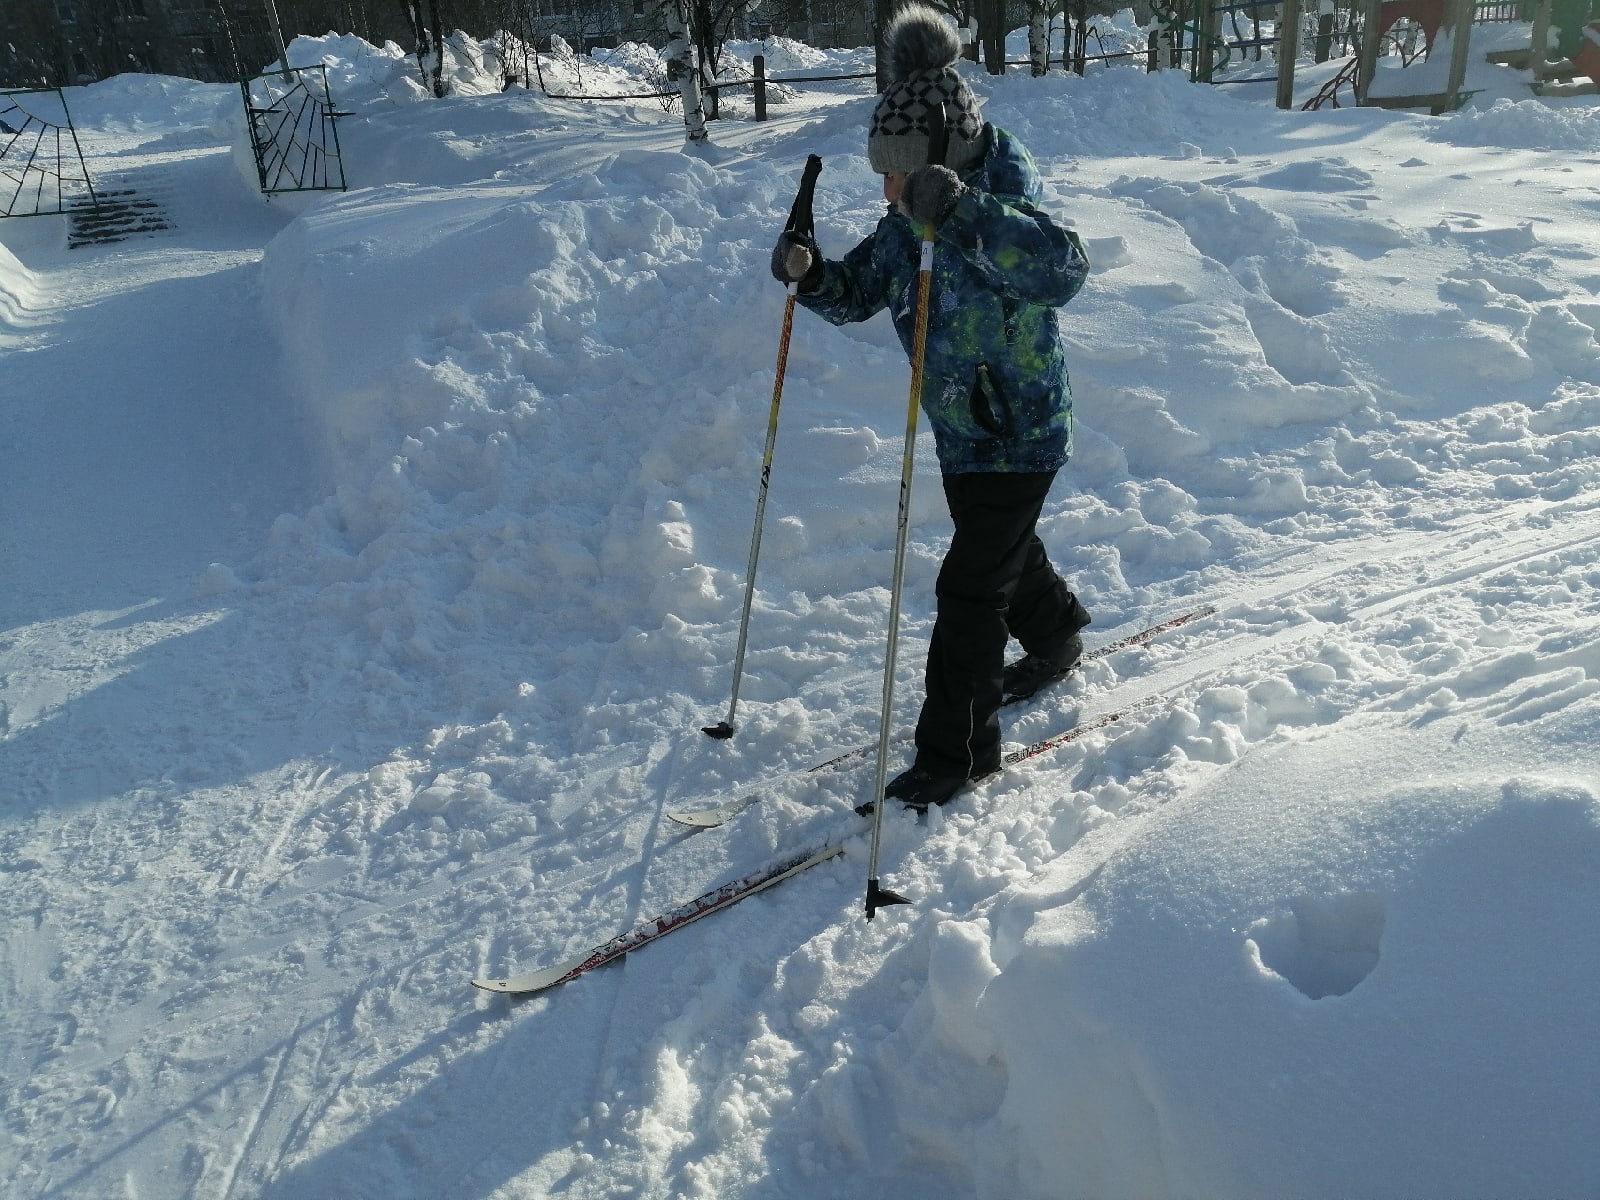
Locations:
{"points": [[705, 818], [523, 985], [722, 730]]}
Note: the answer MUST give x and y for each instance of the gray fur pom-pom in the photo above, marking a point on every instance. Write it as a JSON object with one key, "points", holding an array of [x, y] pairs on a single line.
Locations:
{"points": [[920, 39]]}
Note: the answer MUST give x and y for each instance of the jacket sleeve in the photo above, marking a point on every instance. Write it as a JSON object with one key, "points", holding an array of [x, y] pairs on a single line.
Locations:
{"points": [[1017, 249], [853, 288]]}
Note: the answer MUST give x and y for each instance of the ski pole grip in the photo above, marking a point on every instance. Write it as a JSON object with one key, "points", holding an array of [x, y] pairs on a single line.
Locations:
{"points": [[800, 220]]}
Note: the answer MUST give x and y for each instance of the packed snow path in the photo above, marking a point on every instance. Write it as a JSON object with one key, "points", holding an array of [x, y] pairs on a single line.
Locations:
{"points": [[146, 368]]}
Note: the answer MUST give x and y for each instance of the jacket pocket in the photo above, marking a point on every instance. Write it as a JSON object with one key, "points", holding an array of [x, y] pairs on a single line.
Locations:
{"points": [[989, 409]]}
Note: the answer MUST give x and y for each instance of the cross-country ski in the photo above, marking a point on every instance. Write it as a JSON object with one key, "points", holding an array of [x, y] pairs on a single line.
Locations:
{"points": [[759, 880], [711, 816]]}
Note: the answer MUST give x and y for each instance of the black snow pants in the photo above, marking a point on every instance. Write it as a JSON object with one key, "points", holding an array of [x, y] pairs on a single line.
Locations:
{"points": [[996, 582]]}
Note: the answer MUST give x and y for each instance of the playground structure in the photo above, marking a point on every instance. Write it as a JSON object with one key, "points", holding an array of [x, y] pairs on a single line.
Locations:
{"points": [[43, 173], [294, 131], [1434, 17], [1192, 33], [42, 169], [1457, 17], [1557, 77], [294, 137]]}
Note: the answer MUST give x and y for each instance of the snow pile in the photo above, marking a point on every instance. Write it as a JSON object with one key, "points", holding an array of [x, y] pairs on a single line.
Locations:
{"points": [[1313, 917], [18, 293], [785, 56], [176, 111], [367, 78], [1509, 124], [363, 76], [1319, 922]]}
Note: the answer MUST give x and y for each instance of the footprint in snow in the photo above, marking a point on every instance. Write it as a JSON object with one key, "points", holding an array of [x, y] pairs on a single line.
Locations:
{"points": [[1324, 945]]}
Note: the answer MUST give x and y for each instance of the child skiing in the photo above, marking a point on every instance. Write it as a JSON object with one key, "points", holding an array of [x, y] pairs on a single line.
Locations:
{"points": [[994, 388]]}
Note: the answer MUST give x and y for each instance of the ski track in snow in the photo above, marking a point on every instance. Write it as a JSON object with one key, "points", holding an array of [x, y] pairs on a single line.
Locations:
{"points": [[278, 785]]}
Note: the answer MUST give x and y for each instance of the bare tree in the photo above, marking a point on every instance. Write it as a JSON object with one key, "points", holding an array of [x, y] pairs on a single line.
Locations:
{"points": [[428, 31], [681, 68], [882, 14], [992, 35], [1039, 15], [512, 21], [715, 21]]}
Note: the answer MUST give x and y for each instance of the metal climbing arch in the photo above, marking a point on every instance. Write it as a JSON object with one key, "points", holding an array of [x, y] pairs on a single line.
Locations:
{"points": [[41, 163], [294, 131]]}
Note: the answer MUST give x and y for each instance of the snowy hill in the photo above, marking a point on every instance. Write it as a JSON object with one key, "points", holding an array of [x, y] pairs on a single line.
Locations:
{"points": [[371, 561]]}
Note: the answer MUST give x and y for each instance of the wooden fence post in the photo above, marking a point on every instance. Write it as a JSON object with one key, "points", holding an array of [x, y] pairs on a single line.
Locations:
{"points": [[1367, 62], [1288, 50]]}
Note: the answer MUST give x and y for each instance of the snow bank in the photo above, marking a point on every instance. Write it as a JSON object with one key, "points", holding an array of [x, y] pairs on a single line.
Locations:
{"points": [[158, 109], [1525, 125], [523, 344], [17, 291], [366, 78], [1286, 941]]}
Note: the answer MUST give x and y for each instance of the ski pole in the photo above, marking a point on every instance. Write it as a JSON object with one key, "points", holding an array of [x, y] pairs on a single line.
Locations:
{"points": [[800, 221], [878, 897]]}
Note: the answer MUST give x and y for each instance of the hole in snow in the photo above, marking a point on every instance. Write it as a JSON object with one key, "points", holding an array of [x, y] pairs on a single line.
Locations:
{"points": [[1324, 946]]}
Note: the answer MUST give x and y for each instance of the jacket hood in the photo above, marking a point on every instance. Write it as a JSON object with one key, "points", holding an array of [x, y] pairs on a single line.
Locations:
{"points": [[1007, 169]]}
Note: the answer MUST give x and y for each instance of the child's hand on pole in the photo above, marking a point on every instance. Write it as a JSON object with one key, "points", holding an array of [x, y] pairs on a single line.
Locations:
{"points": [[929, 194], [794, 257]]}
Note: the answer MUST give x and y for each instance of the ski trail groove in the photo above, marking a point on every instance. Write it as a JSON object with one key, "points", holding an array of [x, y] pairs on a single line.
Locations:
{"points": [[263, 1111]]}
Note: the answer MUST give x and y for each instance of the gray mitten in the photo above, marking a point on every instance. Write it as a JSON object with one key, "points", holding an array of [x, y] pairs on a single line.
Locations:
{"points": [[930, 193], [796, 259]]}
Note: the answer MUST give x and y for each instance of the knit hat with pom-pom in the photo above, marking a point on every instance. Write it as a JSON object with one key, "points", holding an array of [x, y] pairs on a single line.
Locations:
{"points": [[922, 51]]}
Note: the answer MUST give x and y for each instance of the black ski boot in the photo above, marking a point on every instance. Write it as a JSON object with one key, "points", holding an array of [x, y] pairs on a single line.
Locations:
{"points": [[1031, 672]]}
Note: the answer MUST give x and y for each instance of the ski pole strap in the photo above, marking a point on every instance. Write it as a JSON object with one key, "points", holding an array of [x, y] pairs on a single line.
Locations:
{"points": [[938, 136], [938, 147], [800, 219]]}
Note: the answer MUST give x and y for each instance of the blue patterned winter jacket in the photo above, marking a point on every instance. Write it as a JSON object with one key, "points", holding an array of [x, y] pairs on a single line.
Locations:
{"points": [[995, 383]]}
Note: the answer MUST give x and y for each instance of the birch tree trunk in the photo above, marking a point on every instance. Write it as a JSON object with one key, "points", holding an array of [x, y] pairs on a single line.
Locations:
{"points": [[1039, 37], [441, 88], [681, 69], [430, 44]]}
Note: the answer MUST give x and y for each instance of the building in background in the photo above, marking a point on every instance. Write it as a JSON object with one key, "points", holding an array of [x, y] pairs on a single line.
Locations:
{"points": [[62, 42]]}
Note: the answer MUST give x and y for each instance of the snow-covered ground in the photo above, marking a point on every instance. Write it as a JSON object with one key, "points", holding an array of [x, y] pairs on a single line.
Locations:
{"points": [[369, 563]]}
